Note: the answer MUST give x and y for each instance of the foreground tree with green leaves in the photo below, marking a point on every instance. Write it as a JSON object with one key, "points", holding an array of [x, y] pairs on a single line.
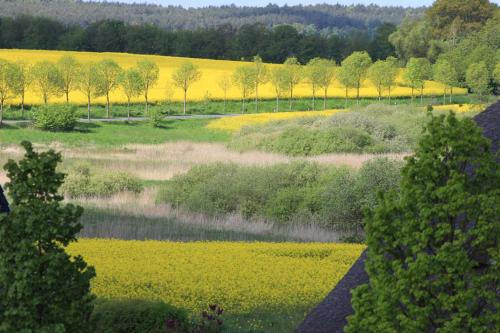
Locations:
{"points": [[433, 249], [42, 288]]}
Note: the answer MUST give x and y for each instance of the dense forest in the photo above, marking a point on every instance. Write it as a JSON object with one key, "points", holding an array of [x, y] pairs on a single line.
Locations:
{"points": [[324, 18], [273, 44]]}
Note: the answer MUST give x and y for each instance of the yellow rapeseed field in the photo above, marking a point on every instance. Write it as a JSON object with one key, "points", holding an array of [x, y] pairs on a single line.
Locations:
{"points": [[207, 87], [460, 108], [240, 277], [235, 123]]}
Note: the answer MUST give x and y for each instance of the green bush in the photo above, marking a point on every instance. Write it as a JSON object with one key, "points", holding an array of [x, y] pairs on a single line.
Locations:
{"points": [[55, 117], [137, 316], [371, 129], [80, 182], [299, 192], [155, 117]]}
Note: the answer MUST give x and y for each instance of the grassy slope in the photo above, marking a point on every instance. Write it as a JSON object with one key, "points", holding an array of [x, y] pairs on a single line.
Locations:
{"points": [[117, 133]]}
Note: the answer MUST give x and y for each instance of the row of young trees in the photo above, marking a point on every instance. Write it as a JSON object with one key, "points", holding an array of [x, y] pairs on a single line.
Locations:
{"points": [[93, 79], [102, 78]]}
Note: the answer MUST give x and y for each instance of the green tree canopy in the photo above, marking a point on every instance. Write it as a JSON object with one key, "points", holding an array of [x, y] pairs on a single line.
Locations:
{"points": [[356, 65], [184, 77], [444, 73], [108, 74], [292, 75], [42, 288], [243, 78], [47, 79], [88, 83], [433, 247], [132, 85], [149, 73], [417, 71], [69, 69], [478, 78]]}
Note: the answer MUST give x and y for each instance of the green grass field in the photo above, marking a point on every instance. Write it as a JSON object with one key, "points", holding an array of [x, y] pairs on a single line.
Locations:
{"points": [[234, 107], [117, 133]]}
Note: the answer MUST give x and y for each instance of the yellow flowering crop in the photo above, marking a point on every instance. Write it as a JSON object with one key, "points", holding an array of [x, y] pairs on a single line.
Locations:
{"points": [[459, 108], [207, 87], [240, 277], [235, 123]]}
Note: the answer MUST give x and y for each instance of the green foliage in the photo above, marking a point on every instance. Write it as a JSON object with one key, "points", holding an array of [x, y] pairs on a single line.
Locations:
{"points": [[374, 129], [433, 247], [47, 80], [137, 316], [477, 77], [296, 193], [42, 288], [382, 74], [81, 182], [355, 66], [55, 117], [155, 118], [417, 71], [184, 77]]}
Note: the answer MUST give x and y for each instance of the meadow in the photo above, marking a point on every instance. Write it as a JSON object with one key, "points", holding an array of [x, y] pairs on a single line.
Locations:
{"points": [[263, 287], [205, 89]]}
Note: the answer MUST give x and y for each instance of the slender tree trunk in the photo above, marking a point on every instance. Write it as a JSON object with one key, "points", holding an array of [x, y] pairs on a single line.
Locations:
{"points": [[357, 93], [314, 99], [147, 105], [422, 94], [444, 96], [411, 95], [291, 96], [451, 94], [256, 97], [88, 108], [225, 100], [389, 95], [22, 105], [243, 106], [346, 95], [107, 105], [45, 98], [67, 97], [324, 98], [185, 95], [1, 112], [128, 108]]}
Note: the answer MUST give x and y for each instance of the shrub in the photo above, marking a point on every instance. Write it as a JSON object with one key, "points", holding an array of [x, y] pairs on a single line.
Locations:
{"points": [[433, 252], [299, 192], [373, 129], [137, 316], [155, 117], [55, 117], [80, 182]]}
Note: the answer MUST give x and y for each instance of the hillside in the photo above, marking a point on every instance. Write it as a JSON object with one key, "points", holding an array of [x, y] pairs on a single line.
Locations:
{"points": [[323, 17]]}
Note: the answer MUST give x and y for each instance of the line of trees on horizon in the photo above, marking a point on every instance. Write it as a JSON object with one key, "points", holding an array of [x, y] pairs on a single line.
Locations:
{"points": [[273, 44], [102, 78]]}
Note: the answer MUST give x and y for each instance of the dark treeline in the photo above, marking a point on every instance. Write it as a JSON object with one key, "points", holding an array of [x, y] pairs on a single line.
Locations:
{"points": [[223, 42], [322, 17]]}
